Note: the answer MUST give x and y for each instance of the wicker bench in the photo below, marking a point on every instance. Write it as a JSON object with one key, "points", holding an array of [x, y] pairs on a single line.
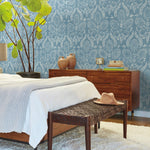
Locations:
{"points": [[85, 114]]}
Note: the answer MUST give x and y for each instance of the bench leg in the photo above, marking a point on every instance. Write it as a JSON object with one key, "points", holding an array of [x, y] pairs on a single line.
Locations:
{"points": [[125, 123], [50, 130], [88, 134], [95, 128]]}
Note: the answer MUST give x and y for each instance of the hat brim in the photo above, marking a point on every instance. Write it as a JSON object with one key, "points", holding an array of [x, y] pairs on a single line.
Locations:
{"points": [[103, 103]]}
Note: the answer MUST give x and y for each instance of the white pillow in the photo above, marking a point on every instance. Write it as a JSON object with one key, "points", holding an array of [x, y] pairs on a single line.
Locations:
{"points": [[9, 76]]}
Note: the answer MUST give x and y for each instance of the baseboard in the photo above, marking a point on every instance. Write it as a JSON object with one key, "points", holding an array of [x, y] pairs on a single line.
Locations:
{"points": [[139, 113]]}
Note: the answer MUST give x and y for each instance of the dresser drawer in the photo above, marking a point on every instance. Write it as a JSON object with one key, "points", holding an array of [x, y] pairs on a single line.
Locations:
{"points": [[66, 73], [105, 78], [119, 90]]}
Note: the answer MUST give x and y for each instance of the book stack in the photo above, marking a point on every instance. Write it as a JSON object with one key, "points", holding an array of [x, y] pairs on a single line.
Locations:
{"points": [[116, 65], [116, 68]]}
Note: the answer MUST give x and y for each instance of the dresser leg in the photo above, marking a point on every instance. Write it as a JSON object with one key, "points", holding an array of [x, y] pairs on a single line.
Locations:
{"points": [[132, 114]]}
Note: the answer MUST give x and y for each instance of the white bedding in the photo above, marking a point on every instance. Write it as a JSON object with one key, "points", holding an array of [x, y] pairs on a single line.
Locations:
{"points": [[43, 100]]}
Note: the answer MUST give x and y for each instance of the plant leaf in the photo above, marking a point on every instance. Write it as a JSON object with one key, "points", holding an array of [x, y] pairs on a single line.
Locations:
{"points": [[45, 9], [14, 52], [9, 45], [14, 12], [38, 17], [38, 35], [25, 10], [15, 23], [5, 11], [6, 6], [42, 21], [30, 24], [24, 2], [34, 5], [19, 45], [38, 29], [26, 17], [7, 16], [2, 25]]}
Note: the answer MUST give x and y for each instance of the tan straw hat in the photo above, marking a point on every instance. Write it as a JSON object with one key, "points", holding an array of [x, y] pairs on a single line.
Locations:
{"points": [[108, 99]]}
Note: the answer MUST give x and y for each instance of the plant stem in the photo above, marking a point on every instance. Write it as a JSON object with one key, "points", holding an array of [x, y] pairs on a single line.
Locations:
{"points": [[28, 42], [22, 61], [33, 49], [18, 51], [23, 45], [24, 49], [33, 38], [10, 38]]}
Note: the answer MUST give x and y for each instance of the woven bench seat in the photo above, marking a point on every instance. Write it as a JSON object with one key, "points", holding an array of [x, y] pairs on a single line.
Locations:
{"points": [[86, 114]]}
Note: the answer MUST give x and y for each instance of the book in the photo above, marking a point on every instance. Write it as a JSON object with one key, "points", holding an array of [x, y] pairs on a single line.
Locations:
{"points": [[116, 68], [115, 65]]}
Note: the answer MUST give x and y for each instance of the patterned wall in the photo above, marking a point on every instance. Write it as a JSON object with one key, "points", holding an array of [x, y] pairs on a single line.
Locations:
{"points": [[113, 29]]}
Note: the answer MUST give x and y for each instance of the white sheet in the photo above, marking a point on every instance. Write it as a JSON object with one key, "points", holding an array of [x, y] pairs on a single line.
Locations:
{"points": [[17, 94], [44, 100]]}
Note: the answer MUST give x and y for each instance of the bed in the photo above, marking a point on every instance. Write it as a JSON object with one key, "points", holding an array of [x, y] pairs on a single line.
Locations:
{"points": [[25, 103]]}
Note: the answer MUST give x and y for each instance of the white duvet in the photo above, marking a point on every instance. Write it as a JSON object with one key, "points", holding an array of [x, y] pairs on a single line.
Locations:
{"points": [[41, 101]]}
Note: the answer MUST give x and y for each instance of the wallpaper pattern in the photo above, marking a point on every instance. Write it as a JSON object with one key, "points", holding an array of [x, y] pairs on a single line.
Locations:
{"points": [[112, 29]]}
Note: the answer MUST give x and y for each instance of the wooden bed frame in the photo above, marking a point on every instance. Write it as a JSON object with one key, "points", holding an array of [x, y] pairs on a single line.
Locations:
{"points": [[23, 137]]}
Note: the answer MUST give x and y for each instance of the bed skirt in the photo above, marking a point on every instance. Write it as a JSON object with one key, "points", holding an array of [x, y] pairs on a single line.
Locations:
{"points": [[23, 137]]}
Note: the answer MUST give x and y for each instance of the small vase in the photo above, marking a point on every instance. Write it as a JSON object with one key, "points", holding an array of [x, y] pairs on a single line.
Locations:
{"points": [[62, 63], [71, 61]]}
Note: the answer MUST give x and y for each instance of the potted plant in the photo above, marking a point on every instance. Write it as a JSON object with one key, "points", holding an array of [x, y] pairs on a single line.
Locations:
{"points": [[25, 28]]}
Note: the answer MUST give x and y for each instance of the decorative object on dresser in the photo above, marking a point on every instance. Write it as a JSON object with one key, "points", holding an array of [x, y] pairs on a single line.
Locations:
{"points": [[116, 65], [124, 84], [99, 61], [62, 62], [3, 53], [71, 61]]}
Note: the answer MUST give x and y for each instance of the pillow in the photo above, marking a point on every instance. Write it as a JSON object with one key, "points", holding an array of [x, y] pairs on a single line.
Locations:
{"points": [[9, 76]]}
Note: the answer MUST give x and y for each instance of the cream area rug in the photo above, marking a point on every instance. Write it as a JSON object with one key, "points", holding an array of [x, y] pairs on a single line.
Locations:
{"points": [[109, 137]]}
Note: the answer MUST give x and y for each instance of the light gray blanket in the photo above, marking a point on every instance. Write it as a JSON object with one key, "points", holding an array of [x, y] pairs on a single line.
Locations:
{"points": [[14, 98]]}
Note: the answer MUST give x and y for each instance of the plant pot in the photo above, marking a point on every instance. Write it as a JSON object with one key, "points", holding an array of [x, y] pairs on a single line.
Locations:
{"points": [[29, 74]]}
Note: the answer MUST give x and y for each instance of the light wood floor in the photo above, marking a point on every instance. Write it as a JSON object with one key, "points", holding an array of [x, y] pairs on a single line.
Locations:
{"points": [[131, 120]]}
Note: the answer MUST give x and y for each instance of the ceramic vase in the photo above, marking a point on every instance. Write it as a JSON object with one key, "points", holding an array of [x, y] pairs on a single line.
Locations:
{"points": [[71, 61], [62, 63]]}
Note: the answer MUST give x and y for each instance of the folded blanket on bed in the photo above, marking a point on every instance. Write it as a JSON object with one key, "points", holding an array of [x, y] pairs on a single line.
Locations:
{"points": [[14, 98]]}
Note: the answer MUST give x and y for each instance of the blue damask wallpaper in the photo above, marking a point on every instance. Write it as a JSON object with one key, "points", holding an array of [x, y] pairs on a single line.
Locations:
{"points": [[112, 29]]}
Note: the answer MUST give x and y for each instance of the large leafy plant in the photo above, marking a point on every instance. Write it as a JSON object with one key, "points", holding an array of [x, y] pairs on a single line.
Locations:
{"points": [[16, 14]]}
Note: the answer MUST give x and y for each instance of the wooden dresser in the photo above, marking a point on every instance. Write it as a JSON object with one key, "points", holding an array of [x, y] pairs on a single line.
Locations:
{"points": [[124, 84]]}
